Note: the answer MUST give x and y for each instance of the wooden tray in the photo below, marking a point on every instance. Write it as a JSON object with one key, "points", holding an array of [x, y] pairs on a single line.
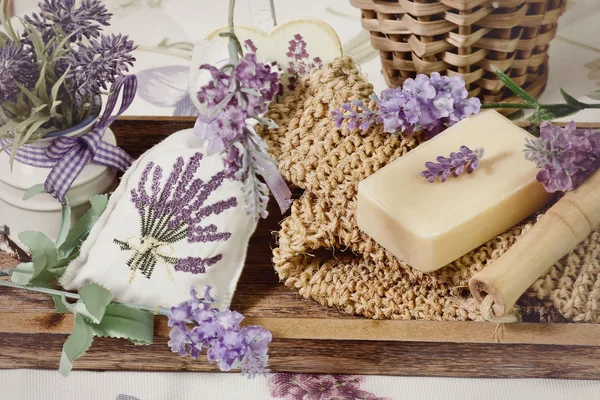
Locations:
{"points": [[307, 336]]}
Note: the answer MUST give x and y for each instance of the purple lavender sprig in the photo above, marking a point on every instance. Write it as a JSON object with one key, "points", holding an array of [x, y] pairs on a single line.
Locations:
{"points": [[218, 331], [238, 93], [429, 104], [465, 160], [235, 94], [567, 156]]}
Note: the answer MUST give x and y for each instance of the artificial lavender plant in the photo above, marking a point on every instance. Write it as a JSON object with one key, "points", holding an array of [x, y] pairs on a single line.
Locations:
{"points": [[52, 73], [236, 97]]}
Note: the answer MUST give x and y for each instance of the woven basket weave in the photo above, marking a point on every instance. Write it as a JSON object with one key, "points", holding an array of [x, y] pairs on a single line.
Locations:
{"points": [[465, 37]]}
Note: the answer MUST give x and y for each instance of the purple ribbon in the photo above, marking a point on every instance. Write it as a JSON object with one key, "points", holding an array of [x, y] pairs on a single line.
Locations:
{"points": [[67, 156], [281, 192]]}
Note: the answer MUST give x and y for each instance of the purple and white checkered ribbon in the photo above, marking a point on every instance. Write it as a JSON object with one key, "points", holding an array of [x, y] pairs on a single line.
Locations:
{"points": [[67, 156]]}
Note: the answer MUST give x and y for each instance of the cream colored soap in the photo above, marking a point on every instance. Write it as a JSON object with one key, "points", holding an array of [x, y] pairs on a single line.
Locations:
{"points": [[429, 225]]}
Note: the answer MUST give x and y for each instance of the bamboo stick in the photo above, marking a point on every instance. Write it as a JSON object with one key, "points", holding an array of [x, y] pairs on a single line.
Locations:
{"points": [[564, 225]]}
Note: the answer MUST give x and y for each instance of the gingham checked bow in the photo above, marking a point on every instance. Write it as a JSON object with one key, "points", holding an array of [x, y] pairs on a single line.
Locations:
{"points": [[67, 156]]}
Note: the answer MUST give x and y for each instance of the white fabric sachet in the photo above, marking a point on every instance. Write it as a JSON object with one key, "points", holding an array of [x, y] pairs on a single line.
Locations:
{"points": [[175, 221]]}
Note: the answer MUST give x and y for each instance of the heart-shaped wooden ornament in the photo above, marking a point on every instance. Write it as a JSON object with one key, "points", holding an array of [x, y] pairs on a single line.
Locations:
{"points": [[297, 46]]}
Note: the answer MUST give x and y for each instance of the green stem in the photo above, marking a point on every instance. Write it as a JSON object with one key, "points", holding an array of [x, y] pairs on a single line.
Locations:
{"points": [[75, 296], [233, 41], [509, 106], [273, 15]]}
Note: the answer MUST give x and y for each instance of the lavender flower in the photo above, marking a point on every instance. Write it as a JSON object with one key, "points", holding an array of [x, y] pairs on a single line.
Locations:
{"points": [[176, 213], [238, 93], [422, 104], [243, 93], [464, 160], [227, 344], [84, 21], [567, 156], [250, 46], [95, 64], [16, 65]]}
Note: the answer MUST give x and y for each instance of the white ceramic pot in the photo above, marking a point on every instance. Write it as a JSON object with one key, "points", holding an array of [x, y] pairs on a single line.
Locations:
{"points": [[43, 212]]}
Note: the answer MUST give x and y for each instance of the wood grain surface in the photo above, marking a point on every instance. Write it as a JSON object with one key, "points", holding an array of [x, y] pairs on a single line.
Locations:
{"points": [[307, 336]]}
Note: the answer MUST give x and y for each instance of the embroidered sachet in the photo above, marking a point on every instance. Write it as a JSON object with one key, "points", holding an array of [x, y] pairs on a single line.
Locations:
{"points": [[175, 221]]}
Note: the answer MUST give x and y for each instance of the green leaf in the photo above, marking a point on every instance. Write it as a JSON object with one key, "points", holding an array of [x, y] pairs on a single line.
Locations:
{"points": [[22, 273], [563, 110], [60, 304], [594, 95], [76, 345], [6, 22], [40, 86], [93, 302], [58, 84], [65, 222], [35, 100], [43, 251], [513, 87], [3, 38], [33, 191], [121, 321], [572, 101], [82, 227]]}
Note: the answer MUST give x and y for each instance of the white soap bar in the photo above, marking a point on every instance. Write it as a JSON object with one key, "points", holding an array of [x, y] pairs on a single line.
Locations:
{"points": [[429, 225]]}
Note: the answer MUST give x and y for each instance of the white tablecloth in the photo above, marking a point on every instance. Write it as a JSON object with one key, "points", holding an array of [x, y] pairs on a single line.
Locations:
{"points": [[49, 385], [574, 66]]}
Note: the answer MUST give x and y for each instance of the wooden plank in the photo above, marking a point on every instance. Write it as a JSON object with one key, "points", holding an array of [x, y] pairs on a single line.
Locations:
{"points": [[325, 356], [355, 330], [308, 337]]}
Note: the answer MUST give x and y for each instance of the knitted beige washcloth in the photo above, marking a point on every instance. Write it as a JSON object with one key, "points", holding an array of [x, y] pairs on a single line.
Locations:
{"points": [[322, 253]]}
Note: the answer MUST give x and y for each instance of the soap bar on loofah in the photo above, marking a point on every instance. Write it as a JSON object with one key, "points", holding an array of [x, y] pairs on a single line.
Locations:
{"points": [[429, 225]]}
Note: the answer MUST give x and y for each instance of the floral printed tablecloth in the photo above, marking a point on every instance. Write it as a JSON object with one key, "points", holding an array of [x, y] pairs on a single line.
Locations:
{"points": [[49, 385], [166, 31]]}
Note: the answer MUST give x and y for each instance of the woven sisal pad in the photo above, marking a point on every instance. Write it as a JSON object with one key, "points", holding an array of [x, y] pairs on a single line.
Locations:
{"points": [[322, 253]]}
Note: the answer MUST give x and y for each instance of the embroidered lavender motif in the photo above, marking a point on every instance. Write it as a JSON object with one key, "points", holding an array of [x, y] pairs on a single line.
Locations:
{"points": [[300, 61], [175, 213]]}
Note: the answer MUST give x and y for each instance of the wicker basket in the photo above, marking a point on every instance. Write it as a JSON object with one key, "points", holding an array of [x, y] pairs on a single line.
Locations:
{"points": [[465, 37]]}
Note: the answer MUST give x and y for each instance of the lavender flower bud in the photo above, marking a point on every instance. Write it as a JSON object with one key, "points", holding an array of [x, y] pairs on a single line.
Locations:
{"points": [[455, 165], [16, 65]]}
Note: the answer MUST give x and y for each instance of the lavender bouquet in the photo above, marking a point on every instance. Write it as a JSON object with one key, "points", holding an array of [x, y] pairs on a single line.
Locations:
{"points": [[236, 98], [52, 74]]}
